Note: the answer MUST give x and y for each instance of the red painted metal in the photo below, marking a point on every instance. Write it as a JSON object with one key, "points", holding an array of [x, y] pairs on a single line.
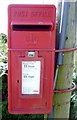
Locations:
{"points": [[31, 28], [66, 90], [52, 50]]}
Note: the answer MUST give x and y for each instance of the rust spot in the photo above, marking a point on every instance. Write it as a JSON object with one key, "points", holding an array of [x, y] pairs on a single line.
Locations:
{"points": [[58, 105], [67, 102]]}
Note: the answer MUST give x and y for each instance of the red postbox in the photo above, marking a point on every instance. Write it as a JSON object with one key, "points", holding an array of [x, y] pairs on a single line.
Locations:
{"points": [[31, 44]]}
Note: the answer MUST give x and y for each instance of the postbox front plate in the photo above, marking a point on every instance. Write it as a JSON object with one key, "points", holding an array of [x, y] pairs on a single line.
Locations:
{"points": [[31, 41]]}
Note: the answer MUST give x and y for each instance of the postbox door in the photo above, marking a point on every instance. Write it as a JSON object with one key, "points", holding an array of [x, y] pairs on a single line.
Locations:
{"points": [[28, 95]]}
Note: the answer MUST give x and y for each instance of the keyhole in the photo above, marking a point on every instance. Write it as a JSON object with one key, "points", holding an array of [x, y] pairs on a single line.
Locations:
{"points": [[17, 81], [45, 103]]}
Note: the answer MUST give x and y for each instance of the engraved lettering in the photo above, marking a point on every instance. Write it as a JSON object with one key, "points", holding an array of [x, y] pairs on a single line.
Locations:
{"points": [[20, 14], [41, 14], [31, 39]]}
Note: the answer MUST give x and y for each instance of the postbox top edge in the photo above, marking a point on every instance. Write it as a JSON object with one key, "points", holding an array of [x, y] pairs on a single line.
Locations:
{"points": [[31, 5], [28, 13]]}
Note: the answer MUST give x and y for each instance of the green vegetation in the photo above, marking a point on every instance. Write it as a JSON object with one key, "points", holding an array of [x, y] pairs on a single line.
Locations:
{"points": [[73, 110]]}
